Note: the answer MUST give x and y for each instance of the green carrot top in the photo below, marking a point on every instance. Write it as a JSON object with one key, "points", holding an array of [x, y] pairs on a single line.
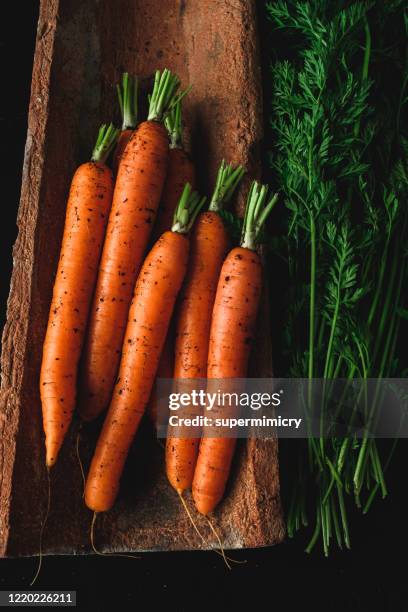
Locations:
{"points": [[174, 127], [228, 179], [127, 94], [189, 206], [164, 95], [257, 211], [107, 137]]}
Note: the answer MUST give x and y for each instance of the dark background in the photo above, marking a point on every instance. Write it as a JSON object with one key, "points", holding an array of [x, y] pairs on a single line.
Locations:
{"points": [[372, 576]]}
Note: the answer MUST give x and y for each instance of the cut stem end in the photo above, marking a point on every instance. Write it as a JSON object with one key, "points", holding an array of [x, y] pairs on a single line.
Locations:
{"points": [[228, 179], [164, 95], [187, 210], [127, 95], [257, 211], [107, 138]]}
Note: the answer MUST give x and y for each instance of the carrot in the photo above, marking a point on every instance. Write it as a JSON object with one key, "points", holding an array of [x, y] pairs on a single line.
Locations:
{"points": [[209, 245], [127, 95], [155, 293], [88, 206], [164, 370], [179, 172], [232, 330], [136, 197]]}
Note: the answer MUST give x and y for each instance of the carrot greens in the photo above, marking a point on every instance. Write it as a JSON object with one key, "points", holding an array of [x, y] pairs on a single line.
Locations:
{"points": [[339, 96], [127, 92]]}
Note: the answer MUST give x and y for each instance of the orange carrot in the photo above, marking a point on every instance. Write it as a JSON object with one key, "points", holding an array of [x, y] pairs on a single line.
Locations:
{"points": [[164, 370], [232, 330], [89, 202], [209, 244], [127, 94], [179, 172], [155, 293], [136, 197]]}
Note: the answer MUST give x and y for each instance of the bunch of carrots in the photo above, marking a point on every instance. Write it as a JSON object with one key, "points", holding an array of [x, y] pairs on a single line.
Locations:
{"points": [[147, 286]]}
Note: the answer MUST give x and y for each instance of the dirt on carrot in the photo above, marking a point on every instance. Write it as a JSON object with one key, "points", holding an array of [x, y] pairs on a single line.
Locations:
{"points": [[155, 294], [231, 335], [209, 245], [88, 207], [137, 194]]}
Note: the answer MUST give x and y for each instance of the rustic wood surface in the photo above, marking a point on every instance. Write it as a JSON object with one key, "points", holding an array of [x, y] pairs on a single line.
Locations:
{"points": [[81, 49]]}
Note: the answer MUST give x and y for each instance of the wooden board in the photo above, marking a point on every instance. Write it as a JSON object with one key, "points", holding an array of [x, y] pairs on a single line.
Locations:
{"points": [[82, 47]]}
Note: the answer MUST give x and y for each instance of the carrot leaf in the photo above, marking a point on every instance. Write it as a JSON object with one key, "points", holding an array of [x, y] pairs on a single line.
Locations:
{"points": [[232, 223], [339, 158], [107, 137]]}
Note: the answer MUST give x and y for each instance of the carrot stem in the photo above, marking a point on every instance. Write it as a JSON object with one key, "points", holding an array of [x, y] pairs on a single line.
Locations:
{"points": [[164, 95], [228, 179], [127, 94], [107, 137], [174, 127], [256, 212], [189, 206]]}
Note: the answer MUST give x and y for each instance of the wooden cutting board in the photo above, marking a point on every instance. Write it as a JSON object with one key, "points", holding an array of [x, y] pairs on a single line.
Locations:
{"points": [[81, 50]]}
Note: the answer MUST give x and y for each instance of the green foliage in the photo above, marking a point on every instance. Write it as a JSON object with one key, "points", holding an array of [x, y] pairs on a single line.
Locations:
{"points": [[232, 222], [337, 111]]}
